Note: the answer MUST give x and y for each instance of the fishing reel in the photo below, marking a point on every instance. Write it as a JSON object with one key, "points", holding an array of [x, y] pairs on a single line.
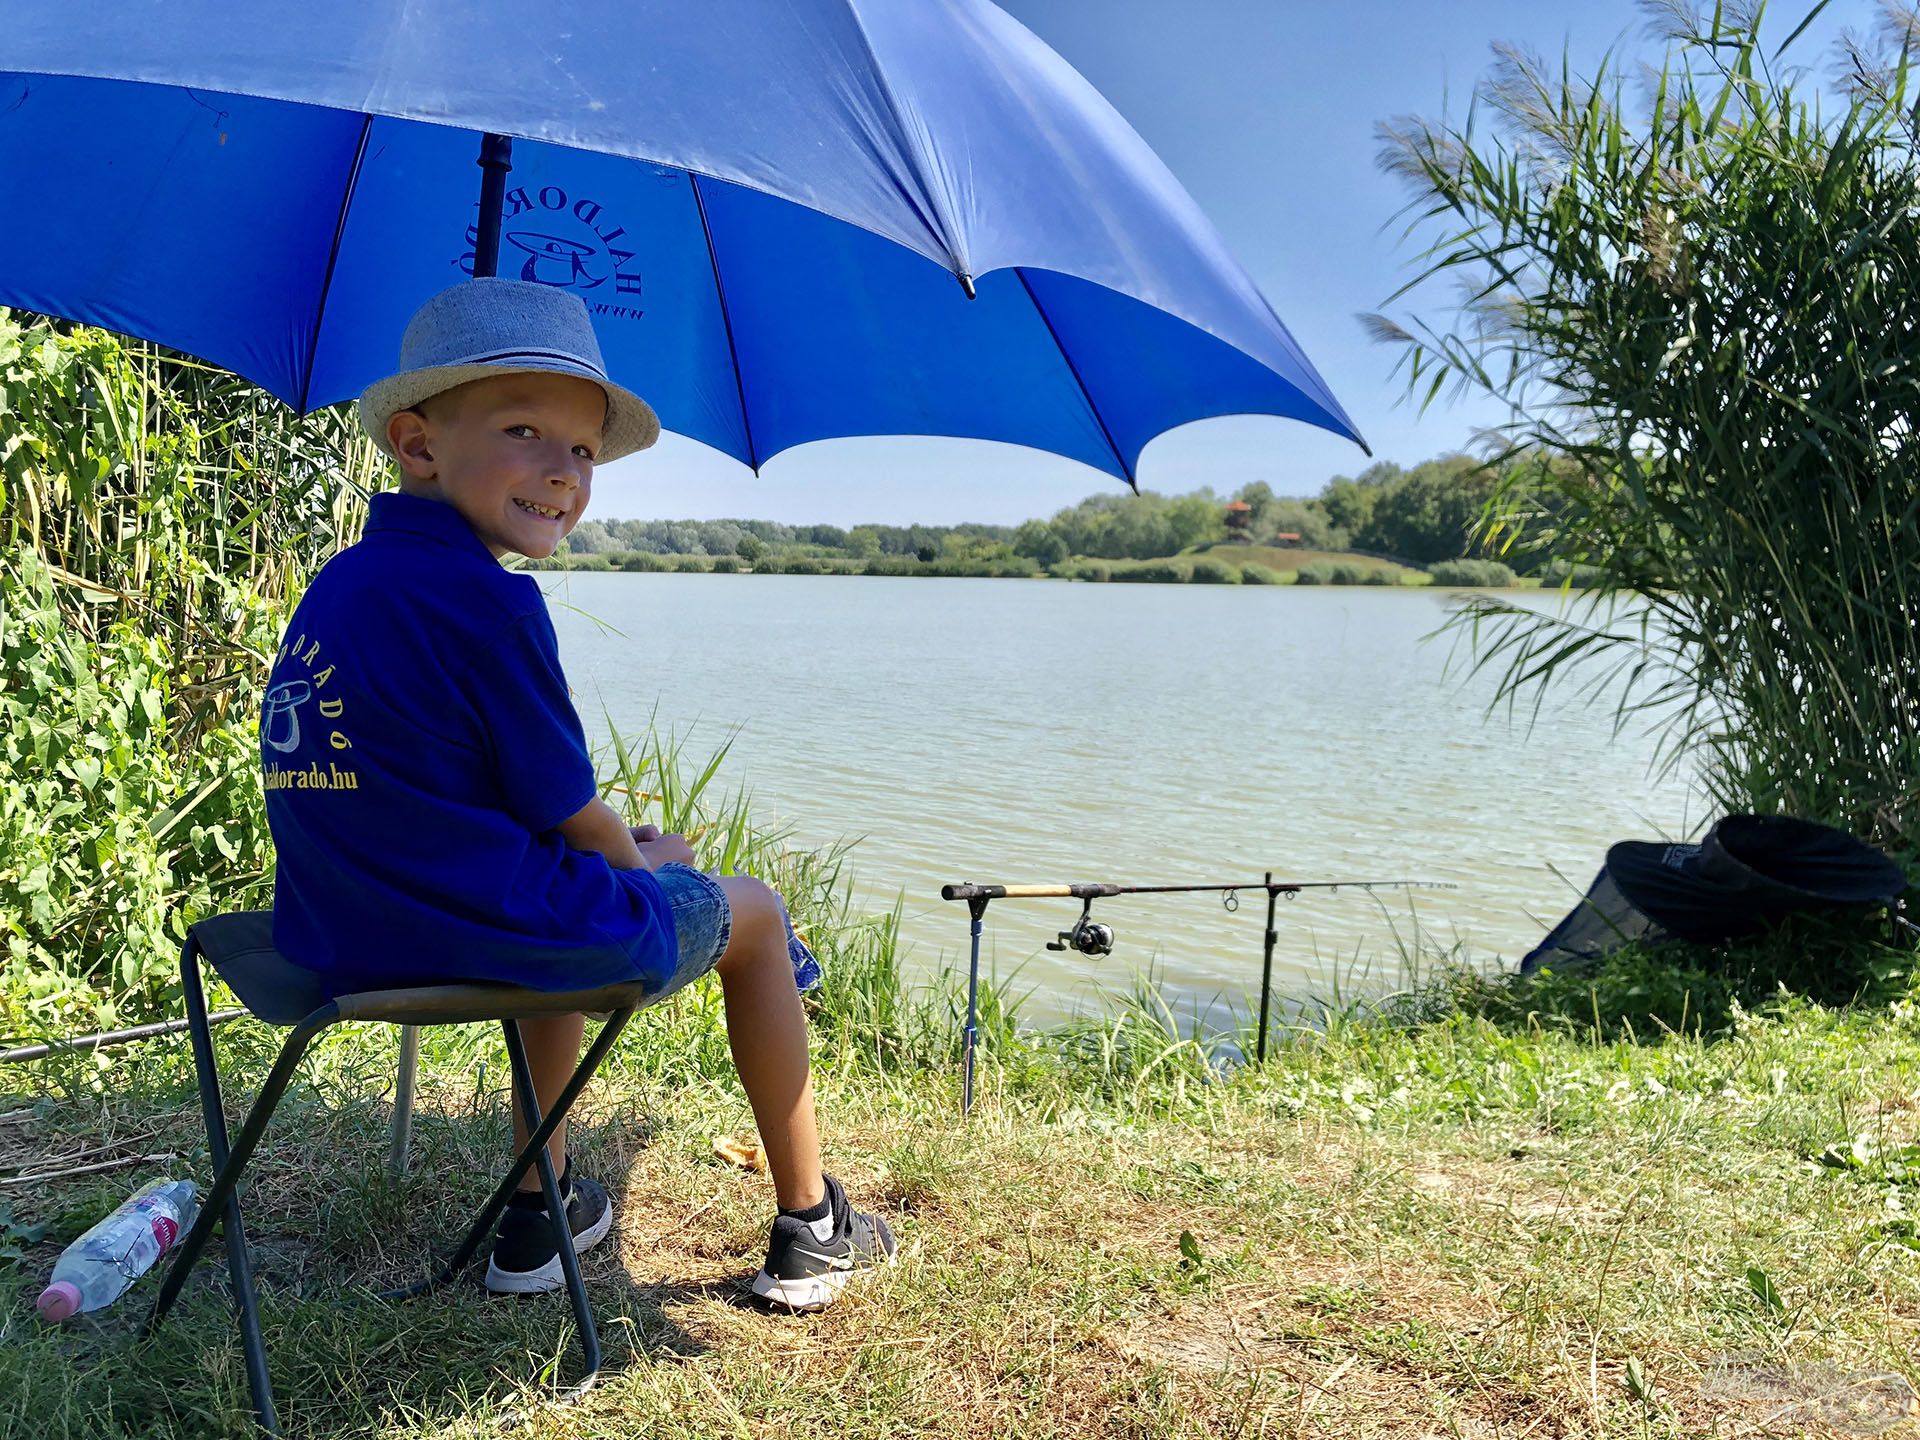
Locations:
{"points": [[1088, 936]]}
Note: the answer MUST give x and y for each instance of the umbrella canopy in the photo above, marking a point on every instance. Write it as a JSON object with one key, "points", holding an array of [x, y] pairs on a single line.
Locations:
{"points": [[790, 219]]}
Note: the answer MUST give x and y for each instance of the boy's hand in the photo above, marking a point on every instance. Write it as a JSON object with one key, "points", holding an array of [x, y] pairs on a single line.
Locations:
{"points": [[643, 833], [659, 849]]}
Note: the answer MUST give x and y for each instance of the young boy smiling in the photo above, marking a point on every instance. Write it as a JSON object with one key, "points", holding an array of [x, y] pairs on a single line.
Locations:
{"points": [[435, 812]]}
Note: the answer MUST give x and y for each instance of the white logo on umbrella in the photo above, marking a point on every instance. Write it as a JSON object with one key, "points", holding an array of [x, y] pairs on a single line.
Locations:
{"points": [[279, 713]]}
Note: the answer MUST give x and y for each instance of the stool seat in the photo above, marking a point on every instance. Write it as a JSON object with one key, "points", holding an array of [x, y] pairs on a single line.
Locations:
{"points": [[240, 948]]}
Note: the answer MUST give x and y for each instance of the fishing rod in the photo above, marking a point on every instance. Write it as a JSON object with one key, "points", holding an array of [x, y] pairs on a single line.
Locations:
{"points": [[1090, 937], [108, 1037]]}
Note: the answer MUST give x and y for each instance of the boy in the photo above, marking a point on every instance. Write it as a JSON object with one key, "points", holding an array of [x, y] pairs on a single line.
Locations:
{"points": [[435, 811]]}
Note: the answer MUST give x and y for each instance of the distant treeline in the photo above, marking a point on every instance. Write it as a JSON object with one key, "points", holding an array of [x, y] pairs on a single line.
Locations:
{"points": [[1420, 516]]}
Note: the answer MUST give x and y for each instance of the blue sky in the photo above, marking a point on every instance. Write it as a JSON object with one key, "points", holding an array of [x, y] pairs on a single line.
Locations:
{"points": [[1265, 110]]}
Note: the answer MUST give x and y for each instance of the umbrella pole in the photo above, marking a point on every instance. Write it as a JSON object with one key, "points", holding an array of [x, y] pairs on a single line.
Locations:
{"points": [[496, 159]]}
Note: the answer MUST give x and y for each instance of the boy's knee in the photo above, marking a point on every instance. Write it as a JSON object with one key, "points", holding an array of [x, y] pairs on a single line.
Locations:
{"points": [[756, 907]]}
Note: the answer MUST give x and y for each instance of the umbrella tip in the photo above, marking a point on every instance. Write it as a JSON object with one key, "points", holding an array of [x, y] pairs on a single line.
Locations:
{"points": [[966, 284]]}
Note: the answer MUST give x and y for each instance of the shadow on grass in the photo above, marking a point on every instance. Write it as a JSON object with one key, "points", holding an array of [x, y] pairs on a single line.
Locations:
{"points": [[327, 1230], [344, 1362]]}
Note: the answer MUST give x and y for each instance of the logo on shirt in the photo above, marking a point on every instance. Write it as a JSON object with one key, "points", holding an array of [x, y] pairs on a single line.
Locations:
{"points": [[570, 243], [281, 710], [280, 714]]}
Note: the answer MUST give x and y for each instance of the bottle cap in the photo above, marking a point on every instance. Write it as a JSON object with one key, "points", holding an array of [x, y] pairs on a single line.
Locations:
{"points": [[58, 1301]]}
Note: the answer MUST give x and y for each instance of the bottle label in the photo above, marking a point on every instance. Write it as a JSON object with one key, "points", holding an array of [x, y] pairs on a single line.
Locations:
{"points": [[165, 1230]]}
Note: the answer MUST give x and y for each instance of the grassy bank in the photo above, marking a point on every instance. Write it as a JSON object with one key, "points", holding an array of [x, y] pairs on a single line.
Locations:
{"points": [[1572, 1208], [1289, 559], [1666, 1198]]}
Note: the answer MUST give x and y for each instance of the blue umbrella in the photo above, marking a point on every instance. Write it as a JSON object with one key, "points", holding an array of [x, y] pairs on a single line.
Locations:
{"points": [[791, 219]]}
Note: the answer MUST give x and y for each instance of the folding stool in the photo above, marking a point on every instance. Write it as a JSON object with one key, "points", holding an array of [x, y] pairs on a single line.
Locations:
{"points": [[240, 948]]}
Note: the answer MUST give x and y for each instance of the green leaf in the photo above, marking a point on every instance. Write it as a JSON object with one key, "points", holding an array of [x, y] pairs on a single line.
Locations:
{"points": [[17, 1234], [1762, 1286], [1190, 1248], [1637, 1383], [1800, 29]]}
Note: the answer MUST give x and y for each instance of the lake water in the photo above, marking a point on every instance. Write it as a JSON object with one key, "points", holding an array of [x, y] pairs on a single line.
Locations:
{"points": [[1030, 732]]}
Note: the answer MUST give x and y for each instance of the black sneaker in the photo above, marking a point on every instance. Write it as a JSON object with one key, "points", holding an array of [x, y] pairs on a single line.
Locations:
{"points": [[525, 1259], [810, 1261]]}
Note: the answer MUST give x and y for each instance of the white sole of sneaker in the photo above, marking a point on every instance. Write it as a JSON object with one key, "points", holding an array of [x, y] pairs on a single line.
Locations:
{"points": [[549, 1276], [814, 1292]]}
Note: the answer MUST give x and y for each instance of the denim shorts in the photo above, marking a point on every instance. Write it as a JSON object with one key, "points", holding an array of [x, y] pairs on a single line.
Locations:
{"points": [[702, 918]]}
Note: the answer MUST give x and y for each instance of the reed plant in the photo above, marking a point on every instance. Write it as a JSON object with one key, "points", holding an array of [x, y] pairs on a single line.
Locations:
{"points": [[1702, 310], [160, 490]]}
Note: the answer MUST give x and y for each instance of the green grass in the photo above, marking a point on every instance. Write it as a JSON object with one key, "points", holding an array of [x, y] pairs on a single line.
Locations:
{"points": [[1458, 1211], [1665, 1197]]}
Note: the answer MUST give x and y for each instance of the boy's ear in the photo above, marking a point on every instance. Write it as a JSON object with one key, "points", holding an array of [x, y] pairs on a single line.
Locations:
{"points": [[407, 434]]}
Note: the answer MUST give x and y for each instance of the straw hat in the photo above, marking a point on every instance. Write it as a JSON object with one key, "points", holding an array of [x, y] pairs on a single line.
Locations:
{"points": [[494, 326]]}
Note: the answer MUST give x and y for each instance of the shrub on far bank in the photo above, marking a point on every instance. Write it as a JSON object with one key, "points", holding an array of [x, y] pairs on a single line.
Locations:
{"points": [[1010, 567], [726, 565], [1005, 567], [1152, 572], [1096, 571], [1213, 572], [1344, 572], [639, 562], [1259, 575], [1481, 574], [1565, 572]]}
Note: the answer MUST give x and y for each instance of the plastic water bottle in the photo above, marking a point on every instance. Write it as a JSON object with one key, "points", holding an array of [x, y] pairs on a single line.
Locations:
{"points": [[96, 1269]]}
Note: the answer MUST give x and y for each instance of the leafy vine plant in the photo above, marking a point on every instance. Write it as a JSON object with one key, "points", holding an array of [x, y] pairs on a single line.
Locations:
{"points": [[158, 517]]}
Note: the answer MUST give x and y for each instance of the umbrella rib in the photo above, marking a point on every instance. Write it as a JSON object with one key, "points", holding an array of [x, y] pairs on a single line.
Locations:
{"points": [[333, 255], [726, 320], [938, 222], [1126, 470]]}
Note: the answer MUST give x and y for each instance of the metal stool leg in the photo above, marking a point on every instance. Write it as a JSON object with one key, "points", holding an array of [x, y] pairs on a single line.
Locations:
{"points": [[397, 1149], [223, 1199], [220, 1198], [556, 1203], [489, 1215]]}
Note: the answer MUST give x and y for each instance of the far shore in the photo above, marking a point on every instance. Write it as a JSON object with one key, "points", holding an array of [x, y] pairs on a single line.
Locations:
{"points": [[1226, 564]]}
